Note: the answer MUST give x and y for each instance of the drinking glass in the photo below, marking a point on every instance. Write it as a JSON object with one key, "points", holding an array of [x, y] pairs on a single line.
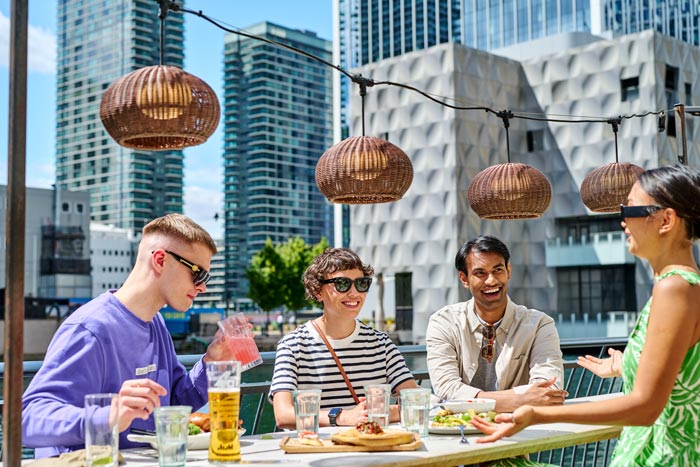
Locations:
{"points": [[415, 410], [101, 430], [240, 340], [172, 423], [307, 403], [224, 380], [377, 396]]}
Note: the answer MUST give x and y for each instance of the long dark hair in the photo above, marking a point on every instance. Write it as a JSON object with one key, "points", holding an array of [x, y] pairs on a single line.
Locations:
{"points": [[676, 187]]}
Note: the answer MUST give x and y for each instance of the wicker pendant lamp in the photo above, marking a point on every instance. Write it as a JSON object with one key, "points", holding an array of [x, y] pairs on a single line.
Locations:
{"points": [[363, 169], [159, 107], [605, 188], [509, 191]]}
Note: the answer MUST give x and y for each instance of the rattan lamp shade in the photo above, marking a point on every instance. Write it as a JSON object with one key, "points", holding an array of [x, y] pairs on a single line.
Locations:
{"points": [[510, 191], [363, 170], [605, 188], [158, 108]]}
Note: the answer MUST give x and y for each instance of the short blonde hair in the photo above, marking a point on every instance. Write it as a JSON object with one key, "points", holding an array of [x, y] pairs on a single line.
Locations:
{"points": [[181, 228]]}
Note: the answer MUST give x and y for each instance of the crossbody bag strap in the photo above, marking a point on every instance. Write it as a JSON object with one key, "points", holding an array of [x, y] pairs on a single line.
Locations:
{"points": [[337, 362]]}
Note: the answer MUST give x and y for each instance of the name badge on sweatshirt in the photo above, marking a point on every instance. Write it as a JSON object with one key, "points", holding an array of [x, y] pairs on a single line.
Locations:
{"points": [[147, 369]]}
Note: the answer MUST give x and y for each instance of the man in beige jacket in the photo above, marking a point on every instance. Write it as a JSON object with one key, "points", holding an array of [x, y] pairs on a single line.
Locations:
{"points": [[489, 347]]}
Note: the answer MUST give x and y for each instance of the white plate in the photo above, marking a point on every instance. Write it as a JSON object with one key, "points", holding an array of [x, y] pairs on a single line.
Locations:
{"points": [[194, 442], [451, 430], [478, 405]]}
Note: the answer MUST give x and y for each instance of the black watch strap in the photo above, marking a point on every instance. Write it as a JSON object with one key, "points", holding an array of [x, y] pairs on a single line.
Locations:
{"points": [[333, 415]]}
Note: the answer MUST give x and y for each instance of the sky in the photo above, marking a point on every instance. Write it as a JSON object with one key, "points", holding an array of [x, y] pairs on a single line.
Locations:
{"points": [[204, 44]]}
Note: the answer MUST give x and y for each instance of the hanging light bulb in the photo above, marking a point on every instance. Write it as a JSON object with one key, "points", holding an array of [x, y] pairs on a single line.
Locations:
{"points": [[606, 188], [509, 191], [363, 169]]}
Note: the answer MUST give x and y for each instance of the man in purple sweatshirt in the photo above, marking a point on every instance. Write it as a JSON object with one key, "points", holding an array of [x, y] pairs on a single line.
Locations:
{"points": [[118, 343]]}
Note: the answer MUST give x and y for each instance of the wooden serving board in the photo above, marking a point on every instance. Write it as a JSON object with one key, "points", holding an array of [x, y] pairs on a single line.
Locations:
{"points": [[291, 445]]}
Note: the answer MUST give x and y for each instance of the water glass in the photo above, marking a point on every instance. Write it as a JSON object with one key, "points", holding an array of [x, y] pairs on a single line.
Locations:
{"points": [[240, 340], [415, 410], [307, 403], [224, 381], [172, 426], [378, 403], [101, 430]]}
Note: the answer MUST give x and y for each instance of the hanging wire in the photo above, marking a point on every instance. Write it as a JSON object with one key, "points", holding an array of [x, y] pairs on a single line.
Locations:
{"points": [[162, 13], [365, 82], [615, 123]]}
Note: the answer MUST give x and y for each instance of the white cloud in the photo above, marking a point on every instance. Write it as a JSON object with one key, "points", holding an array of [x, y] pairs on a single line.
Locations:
{"points": [[41, 48], [201, 204]]}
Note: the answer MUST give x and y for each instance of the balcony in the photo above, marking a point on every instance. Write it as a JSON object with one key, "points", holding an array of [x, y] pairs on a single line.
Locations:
{"points": [[598, 249]]}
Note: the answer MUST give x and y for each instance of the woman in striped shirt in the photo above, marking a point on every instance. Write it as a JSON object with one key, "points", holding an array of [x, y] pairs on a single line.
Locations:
{"points": [[337, 280]]}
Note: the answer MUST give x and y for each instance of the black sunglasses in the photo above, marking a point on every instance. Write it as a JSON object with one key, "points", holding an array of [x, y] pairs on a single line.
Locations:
{"points": [[637, 211], [199, 274], [343, 284]]}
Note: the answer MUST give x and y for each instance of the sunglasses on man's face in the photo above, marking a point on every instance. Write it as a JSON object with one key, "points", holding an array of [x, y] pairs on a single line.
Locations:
{"points": [[343, 284], [637, 211], [199, 274]]}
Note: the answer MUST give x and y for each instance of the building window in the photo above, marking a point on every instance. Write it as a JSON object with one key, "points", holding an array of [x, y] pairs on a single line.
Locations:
{"points": [[629, 88], [65, 207], [79, 207], [592, 290], [535, 140]]}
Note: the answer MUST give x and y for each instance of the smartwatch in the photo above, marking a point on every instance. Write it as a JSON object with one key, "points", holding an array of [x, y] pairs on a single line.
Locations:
{"points": [[333, 415]]}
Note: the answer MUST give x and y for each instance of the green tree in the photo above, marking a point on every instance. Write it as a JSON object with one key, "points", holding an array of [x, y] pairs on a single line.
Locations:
{"points": [[264, 273], [297, 256]]}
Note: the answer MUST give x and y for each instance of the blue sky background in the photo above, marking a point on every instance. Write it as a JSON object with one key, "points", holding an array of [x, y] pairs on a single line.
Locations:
{"points": [[204, 44]]}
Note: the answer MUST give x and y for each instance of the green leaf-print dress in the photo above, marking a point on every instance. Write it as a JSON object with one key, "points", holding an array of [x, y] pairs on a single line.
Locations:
{"points": [[673, 439]]}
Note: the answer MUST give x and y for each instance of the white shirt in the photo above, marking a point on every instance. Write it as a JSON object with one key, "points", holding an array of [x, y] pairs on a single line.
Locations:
{"points": [[528, 339]]}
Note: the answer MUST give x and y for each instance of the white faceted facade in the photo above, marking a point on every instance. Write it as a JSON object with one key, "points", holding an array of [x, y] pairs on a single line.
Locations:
{"points": [[421, 233]]}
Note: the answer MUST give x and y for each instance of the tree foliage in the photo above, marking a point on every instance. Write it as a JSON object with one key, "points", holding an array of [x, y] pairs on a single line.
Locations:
{"points": [[275, 273]]}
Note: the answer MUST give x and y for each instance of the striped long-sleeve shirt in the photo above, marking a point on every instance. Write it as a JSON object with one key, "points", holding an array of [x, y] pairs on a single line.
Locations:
{"points": [[368, 357]]}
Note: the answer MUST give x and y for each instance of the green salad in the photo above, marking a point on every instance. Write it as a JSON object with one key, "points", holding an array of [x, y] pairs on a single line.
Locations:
{"points": [[446, 418]]}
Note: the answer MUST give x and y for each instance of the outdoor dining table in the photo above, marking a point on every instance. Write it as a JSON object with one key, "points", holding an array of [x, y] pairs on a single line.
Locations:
{"points": [[437, 450]]}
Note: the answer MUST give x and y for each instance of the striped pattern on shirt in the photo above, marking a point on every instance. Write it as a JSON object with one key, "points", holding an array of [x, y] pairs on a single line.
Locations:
{"points": [[368, 357]]}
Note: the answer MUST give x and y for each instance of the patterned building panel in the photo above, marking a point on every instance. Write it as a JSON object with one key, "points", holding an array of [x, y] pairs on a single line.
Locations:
{"points": [[421, 233]]}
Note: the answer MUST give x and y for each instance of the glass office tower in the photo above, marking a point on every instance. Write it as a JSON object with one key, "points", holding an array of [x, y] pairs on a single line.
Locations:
{"points": [[98, 42], [277, 124]]}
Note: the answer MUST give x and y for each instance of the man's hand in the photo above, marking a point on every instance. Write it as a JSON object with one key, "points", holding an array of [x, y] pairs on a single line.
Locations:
{"points": [[543, 394], [606, 367], [137, 399], [218, 349]]}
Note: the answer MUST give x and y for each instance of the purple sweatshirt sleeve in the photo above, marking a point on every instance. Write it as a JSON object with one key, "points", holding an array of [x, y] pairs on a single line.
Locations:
{"points": [[94, 351]]}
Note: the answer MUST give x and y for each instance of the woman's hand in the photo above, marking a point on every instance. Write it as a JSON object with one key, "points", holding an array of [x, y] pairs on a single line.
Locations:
{"points": [[606, 367], [351, 417], [507, 424]]}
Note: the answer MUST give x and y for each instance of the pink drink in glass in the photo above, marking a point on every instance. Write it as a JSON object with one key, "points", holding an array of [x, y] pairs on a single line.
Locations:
{"points": [[240, 340]]}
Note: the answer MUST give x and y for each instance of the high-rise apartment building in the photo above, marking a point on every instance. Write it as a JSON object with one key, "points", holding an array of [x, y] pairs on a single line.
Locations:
{"points": [[277, 124], [98, 42]]}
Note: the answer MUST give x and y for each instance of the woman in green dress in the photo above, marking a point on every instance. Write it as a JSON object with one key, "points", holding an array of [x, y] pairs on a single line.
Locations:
{"points": [[660, 368]]}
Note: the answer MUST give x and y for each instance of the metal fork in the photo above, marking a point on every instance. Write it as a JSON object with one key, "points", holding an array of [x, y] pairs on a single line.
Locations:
{"points": [[464, 439]]}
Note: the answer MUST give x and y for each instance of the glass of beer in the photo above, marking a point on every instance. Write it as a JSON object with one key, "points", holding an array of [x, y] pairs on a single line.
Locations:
{"points": [[224, 381]]}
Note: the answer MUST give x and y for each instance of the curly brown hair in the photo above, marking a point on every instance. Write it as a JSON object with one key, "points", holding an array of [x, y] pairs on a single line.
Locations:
{"points": [[328, 262]]}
